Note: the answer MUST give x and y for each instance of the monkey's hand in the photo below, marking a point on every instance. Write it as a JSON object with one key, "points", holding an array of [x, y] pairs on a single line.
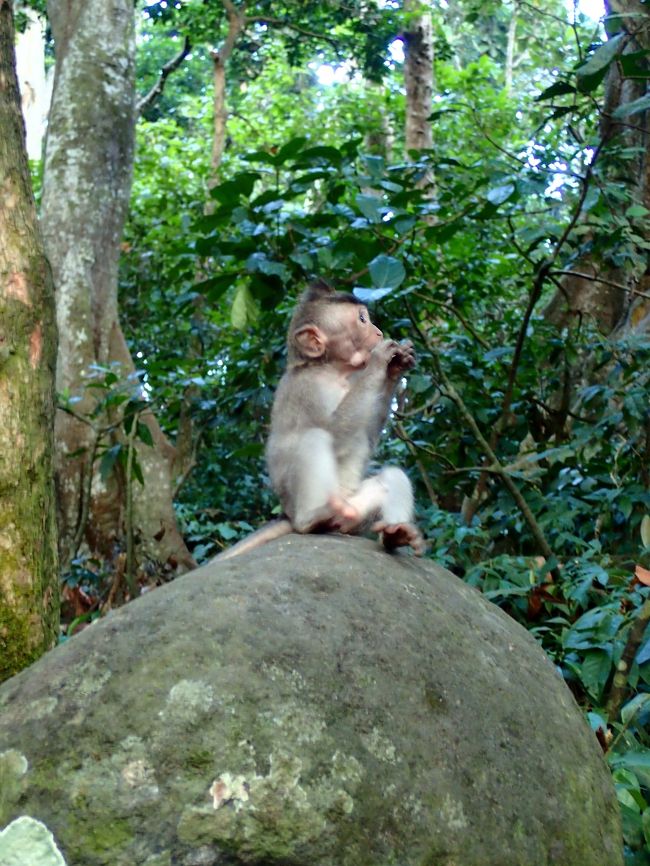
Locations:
{"points": [[392, 358], [402, 360]]}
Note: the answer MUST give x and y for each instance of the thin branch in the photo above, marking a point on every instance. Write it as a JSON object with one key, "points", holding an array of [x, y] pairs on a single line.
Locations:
{"points": [[165, 72], [402, 434], [452, 309], [280, 22], [595, 279]]}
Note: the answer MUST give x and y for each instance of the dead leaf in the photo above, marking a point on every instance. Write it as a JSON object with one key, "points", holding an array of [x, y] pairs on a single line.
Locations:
{"points": [[642, 575]]}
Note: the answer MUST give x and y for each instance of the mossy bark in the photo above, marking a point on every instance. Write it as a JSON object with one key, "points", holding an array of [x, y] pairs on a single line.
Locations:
{"points": [[86, 187], [28, 551]]}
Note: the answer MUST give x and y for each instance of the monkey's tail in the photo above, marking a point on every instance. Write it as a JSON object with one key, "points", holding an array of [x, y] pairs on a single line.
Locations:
{"points": [[268, 532]]}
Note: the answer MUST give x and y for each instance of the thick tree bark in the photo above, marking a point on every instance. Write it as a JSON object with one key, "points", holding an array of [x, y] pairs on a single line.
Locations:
{"points": [[87, 180], [418, 74], [29, 577], [607, 295]]}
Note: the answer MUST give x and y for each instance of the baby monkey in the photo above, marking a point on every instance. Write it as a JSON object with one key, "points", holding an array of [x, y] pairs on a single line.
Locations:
{"points": [[329, 410]]}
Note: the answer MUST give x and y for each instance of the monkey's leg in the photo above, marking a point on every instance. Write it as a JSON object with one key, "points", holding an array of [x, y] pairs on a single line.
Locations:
{"points": [[316, 501], [388, 497]]}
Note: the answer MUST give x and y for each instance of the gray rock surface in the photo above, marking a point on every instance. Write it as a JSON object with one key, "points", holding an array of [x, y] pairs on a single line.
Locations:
{"points": [[316, 702]]}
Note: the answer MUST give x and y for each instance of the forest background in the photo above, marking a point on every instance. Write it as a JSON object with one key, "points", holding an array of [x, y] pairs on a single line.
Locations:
{"points": [[478, 172]]}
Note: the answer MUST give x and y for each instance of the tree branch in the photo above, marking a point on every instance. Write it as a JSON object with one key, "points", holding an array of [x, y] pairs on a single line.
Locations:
{"points": [[596, 279], [280, 22], [159, 86]]}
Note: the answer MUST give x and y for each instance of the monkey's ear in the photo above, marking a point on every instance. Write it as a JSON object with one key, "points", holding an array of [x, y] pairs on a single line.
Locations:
{"points": [[310, 341]]}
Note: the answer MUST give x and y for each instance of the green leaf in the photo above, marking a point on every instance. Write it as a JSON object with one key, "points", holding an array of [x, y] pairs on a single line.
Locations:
{"points": [[370, 206], [386, 272], [637, 762], [231, 190], [136, 470], [290, 149], [108, 461], [214, 287], [260, 262], [645, 824], [591, 73], [634, 65], [594, 670], [322, 155], [641, 104], [368, 296], [634, 707], [636, 210], [244, 310], [260, 156], [143, 433], [645, 530], [560, 88], [376, 166], [499, 194]]}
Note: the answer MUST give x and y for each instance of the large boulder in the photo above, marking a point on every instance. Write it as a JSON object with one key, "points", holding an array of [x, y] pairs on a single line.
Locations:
{"points": [[316, 702]]}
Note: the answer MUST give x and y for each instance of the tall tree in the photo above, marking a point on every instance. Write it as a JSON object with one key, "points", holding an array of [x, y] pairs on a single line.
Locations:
{"points": [[615, 295], [87, 179], [418, 74], [29, 598]]}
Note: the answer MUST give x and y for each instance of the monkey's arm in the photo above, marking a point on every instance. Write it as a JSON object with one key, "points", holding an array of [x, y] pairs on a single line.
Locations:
{"points": [[268, 532], [367, 404]]}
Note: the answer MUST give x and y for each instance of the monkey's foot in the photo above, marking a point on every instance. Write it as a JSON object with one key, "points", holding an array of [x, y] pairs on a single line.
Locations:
{"points": [[337, 516], [395, 535]]}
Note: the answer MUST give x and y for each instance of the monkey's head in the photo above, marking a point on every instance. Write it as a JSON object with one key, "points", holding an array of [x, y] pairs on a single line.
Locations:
{"points": [[330, 327]]}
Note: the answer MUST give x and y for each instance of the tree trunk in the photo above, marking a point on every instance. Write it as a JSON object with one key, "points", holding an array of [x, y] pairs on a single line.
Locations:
{"points": [[510, 49], [29, 576], [87, 180], [418, 74], [236, 23], [607, 295]]}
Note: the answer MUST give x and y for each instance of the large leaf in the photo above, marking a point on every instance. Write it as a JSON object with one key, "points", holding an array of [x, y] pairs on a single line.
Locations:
{"points": [[290, 149], [260, 262], [497, 195], [641, 104], [370, 206], [637, 762], [214, 287], [386, 272], [108, 461], [559, 88], [591, 73], [231, 191], [635, 65], [368, 296], [244, 310], [595, 669]]}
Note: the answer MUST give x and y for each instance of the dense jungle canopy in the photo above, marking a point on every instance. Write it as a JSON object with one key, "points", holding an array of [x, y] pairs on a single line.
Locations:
{"points": [[477, 171]]}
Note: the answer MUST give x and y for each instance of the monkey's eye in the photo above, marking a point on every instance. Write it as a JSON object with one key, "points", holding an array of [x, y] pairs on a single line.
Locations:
{"points": [[362, 317]]}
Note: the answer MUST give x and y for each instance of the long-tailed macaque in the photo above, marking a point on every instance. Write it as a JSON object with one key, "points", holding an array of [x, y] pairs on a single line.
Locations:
{"points": [[329, 411]]}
